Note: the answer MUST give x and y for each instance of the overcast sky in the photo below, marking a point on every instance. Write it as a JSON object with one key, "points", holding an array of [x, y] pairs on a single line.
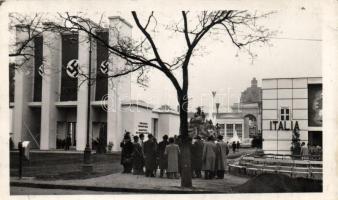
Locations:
{"points": [[295, 52]]}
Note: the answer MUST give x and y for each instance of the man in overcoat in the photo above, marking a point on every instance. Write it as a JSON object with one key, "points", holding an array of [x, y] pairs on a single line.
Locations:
{"points": [[149, 149]]}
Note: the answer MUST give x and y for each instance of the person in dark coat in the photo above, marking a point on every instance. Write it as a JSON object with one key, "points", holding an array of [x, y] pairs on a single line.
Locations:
{"points": [[237, 145], [196, 156], [234, 146], [149, 150], [221, 157], [209, 156], [162, 158], [126, 154], [138, 158]]}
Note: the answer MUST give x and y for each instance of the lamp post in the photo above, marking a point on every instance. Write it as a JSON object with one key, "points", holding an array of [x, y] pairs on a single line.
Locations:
{"points": [[87, 163]]}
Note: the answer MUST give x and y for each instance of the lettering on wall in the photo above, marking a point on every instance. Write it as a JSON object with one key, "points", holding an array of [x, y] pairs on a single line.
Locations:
{"points": [[142, 127], [284, 125]]}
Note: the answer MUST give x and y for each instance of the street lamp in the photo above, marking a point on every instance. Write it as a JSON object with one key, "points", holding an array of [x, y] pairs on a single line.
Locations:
{"points": [[87, 163]]}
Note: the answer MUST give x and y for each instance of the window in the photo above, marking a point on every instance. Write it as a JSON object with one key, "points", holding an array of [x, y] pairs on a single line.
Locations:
{"points": [[230, 130], [284, 114]]}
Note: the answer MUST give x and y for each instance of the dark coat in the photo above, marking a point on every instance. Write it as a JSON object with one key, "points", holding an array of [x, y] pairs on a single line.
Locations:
{"points": [[163, 162], [209, 156], [127, 151], [196, 155], [138, 159], [221, 156], [150, 150]]}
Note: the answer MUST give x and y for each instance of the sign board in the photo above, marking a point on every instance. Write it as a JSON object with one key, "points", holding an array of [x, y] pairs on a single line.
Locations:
{"points": [[142, 127]]}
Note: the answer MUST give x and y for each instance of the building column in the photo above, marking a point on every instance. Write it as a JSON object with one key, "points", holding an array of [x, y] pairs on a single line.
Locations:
{"points": [[50, 85], [23, 89], [82, 92], [118, 88]]}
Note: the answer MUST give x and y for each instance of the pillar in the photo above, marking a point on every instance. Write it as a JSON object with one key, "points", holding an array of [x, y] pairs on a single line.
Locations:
{"points": [[118, 88], [50, 86], [23, 88]]}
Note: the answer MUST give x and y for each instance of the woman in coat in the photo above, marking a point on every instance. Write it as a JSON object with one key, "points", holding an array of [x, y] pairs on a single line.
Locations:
{"points": [[222, 150], [209, 156], [162, 159], [172, 151]]}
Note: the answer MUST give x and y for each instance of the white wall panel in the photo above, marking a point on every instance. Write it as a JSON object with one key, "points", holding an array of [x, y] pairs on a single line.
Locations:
{"points": [[300, 83], [284, 135], [300, 103], [285, 103], [269, 135], [299, 114], [284, 83], [284, 93], [269, 145], [270, 104], [270, 114], [269, 83], [300, 93], [270, 94]]}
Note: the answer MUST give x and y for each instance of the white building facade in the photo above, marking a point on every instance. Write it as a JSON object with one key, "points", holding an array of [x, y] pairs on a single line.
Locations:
{"points": [[50, 100], [289, 104]]}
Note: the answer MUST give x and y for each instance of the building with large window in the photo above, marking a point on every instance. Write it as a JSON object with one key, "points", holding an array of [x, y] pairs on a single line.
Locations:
{"points": [[289, 104], [49, 105]]}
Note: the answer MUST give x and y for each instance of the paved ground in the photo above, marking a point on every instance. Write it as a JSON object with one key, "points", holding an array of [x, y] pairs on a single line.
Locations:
{"points": [[63, 171], [44, 191], [138, 183]]}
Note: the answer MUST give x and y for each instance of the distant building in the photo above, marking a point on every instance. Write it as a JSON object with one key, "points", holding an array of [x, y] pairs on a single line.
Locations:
{"points": [[289, 104], [245, 118]]}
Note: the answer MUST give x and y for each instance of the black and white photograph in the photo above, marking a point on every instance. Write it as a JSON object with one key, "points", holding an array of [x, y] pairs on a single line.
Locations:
{"points": [[118, 99]]}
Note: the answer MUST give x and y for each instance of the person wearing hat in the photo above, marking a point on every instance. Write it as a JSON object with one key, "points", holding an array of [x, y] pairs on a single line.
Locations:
{"points": [[221, 157], [126, 153], [208, 158], [150, 149], [162, 159], [196, 156]]}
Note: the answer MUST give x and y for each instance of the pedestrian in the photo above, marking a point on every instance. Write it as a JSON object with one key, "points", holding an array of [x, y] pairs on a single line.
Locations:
{"points": [[67, 142], [237, 146], [149, 150], [222, 150], [126, 154], [209, 150], [138, 158], [142, 140], [156, 156], [304, 151], [162, 158], [196, 156], [172, 151], [234, 146]]}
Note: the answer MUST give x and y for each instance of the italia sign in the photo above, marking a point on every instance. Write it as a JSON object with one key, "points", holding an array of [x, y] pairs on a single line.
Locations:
{"points": [[284, 125]]}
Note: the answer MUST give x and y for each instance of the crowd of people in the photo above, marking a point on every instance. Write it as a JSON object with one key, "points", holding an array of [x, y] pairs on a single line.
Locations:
{"points": [[310, 152], [146, 157]]}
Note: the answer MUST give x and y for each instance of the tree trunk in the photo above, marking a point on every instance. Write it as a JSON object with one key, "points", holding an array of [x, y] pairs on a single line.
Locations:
{"points": [[186, 173]]}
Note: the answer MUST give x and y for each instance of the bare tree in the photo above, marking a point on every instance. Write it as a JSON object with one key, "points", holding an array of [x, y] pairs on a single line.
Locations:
{"points": [[241, 27]]}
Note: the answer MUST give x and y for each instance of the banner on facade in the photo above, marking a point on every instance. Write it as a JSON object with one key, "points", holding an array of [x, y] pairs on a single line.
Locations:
{"points": [[315, 105]]}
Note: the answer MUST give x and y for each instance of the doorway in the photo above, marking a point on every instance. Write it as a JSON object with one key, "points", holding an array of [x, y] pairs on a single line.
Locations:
{"points": [[315, 138]]}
